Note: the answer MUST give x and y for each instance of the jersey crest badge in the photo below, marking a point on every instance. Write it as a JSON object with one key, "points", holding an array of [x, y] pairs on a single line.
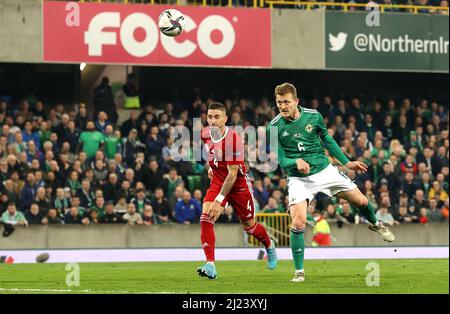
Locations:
{"points": [[309, 128]]}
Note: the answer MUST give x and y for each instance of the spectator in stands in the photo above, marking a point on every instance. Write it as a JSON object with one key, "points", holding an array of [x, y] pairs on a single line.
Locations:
{"points": [[130, 147], [85, 194], [424, 216], [72, 136], [153, 175], [104, 100], [188, 210], [53, 217], [13, 217], [99, 205], [198, 195], [272, 206], [112, 189], [101, 122], [437, 192], [100, 171], [34, 217], [409, 186], [330, 214], [28, 193], [431, 160], [90, 140], [121, 206], [131, 123], [419, 200], [140, 201], [402, 216], [425, 184], [435, 213], [161, 206], [346, 216], [75, 202], [149, 217], [171, 181], [93, 216], [73, 216], [132, 217], [33, 153], [409, 165], [29, 135], [42, 201], [385, 216], [228, 216], [110, 216], [10, 191], [112, 142], [129, 88], [154, 143], [260, 193]]}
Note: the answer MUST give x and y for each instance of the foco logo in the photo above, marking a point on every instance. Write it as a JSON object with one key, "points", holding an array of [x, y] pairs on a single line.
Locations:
{"points": [[96, 36]]}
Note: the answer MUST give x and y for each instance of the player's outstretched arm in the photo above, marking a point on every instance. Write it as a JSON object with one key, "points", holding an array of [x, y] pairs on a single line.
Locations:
{"points": [[330, 144], [357, 166]]}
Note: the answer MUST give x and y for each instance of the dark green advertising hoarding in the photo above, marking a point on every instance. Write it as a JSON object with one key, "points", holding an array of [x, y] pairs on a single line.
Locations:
{"points": [[401, 42]]}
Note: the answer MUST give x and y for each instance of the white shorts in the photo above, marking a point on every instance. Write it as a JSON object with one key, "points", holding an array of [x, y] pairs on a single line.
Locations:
{"points": [[329, 181]]}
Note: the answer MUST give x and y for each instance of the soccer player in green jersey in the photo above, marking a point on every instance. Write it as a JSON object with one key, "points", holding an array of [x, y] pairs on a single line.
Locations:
{"points": [[302, 136]]}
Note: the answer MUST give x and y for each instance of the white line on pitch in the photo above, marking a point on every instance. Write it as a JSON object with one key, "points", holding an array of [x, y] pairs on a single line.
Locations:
{"points": [[100, 291]]}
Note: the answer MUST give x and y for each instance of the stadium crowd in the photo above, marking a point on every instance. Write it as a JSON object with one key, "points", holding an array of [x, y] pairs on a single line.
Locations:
{"points": [[435, 3], [337, 7], [57, 165]]}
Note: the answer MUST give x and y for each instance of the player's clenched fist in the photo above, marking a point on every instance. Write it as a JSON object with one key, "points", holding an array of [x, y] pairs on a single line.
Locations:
{"points": [[302, 166]]}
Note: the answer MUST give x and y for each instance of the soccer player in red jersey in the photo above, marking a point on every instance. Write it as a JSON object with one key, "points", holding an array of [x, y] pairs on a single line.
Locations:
{"points": [[229, 183]]}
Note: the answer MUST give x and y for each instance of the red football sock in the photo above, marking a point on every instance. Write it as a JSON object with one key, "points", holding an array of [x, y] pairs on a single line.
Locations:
{"points": [[208, 237], [260, 233]]}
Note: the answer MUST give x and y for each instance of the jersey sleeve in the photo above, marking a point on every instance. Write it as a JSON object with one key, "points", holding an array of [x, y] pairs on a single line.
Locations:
{"points": [[284, 162], [330, 143]]}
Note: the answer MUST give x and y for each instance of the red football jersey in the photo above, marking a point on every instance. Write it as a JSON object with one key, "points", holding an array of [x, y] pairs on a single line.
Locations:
{"points": [[227, 150]]}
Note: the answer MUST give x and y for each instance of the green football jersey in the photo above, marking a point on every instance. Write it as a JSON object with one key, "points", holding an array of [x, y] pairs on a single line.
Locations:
{"points": [[304, 138], [111, 146], [91, 142]]}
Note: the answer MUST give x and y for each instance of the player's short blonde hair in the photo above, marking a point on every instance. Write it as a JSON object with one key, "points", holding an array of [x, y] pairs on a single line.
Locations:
{"points": [[286, 88]]}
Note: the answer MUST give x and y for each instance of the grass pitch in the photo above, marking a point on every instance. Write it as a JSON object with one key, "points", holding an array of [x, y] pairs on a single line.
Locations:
{"points": [[325, 276]]}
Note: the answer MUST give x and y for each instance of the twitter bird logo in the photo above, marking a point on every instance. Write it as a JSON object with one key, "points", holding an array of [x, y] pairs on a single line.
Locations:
{"points": [[337, 42]]}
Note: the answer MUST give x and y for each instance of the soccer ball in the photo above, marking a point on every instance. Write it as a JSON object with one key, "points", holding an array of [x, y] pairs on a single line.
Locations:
{"points": [[171, 22]]}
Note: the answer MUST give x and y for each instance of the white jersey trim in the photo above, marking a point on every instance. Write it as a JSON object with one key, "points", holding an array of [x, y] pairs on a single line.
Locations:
{"points": [[219, 140], [308, 110], [275, 119]]}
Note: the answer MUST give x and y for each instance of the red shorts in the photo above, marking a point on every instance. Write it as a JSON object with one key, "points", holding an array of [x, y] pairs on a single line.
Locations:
{"points": [[241, 199]]}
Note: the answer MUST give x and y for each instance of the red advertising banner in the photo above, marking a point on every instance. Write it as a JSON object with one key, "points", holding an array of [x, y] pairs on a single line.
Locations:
{"points": [[128, 34]]}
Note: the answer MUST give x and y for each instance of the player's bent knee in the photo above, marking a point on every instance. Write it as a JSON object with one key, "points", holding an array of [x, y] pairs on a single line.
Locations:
{"points": [[362, 202], [299, 222], [246, 224]]}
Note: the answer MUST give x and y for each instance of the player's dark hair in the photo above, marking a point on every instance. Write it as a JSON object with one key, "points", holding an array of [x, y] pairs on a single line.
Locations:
{"points": [[286, 88], [217, 106]]}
